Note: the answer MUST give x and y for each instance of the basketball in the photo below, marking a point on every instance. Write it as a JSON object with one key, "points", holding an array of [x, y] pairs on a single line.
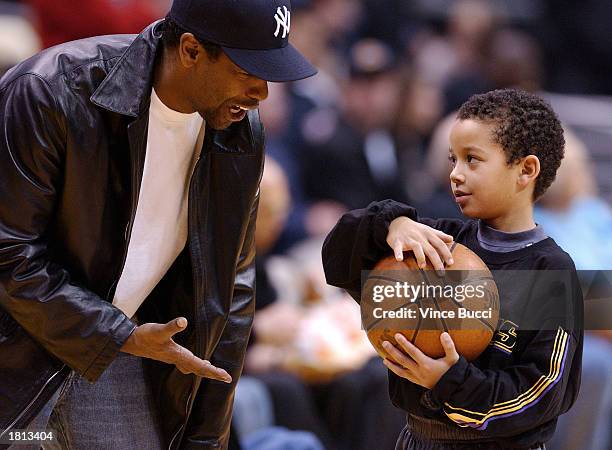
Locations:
{"points": [[397, 296]]}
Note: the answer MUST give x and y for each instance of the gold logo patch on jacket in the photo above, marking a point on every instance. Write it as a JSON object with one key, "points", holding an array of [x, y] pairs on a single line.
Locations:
{"points": [[505, 336]]}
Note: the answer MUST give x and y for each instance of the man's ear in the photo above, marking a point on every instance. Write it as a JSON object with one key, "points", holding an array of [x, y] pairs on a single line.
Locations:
{"points": [[529, 170], [190, 50]]}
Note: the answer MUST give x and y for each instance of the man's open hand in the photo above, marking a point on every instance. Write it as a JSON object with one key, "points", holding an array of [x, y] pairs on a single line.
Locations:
{"points": [[154, 340]]}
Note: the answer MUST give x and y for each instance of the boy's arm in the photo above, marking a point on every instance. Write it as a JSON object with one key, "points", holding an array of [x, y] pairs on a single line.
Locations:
{"points": [[513, 400], [533, 391], [360, 239]]}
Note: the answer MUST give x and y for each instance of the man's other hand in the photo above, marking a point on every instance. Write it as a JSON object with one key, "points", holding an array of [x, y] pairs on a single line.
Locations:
{"points": [[154, 340]]}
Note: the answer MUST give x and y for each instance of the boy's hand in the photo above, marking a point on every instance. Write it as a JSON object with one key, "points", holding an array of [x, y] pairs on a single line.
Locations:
{"points": [[418, 367], [406, 234]]}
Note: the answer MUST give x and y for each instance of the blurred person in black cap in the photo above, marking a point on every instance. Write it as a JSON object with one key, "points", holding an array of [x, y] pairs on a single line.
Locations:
{"points": [[350, 157], [127, 269]]}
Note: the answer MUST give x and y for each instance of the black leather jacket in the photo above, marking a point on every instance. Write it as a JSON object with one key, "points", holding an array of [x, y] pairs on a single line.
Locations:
{"points": [[73, 133]]}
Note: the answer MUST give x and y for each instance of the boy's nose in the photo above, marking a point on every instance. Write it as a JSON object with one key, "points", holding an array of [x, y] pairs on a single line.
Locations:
{"points": [[456, 176]]}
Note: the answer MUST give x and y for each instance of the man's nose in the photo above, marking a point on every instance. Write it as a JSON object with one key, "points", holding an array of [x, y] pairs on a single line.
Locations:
{"points": [[259, 90]]}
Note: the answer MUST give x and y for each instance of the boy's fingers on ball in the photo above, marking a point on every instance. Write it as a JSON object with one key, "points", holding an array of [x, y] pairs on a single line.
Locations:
{"points": [[444, 252], [432, 255], [398, 249], [442, 244], [445, 237], [417, 249], [390, 348], [448, 256], [399, 370], [412, 350], [398, 356], [448, 345], [445, 339]]}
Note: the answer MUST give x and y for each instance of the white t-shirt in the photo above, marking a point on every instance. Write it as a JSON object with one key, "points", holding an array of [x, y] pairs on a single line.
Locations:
{"points": [[159, 232]]}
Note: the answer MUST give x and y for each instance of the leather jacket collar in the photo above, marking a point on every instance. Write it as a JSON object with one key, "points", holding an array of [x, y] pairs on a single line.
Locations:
{"points": [[125, 90]]}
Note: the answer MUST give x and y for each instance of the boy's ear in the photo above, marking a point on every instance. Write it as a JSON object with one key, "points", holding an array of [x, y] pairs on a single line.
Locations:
{"points": [[530, 169]]}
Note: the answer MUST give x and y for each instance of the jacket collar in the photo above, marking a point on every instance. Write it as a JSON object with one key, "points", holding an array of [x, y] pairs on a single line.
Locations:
{"points": [[126, 88]]}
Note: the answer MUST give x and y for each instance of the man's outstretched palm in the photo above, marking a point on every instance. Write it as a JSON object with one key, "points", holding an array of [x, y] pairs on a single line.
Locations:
{"points": [[154, 340]]}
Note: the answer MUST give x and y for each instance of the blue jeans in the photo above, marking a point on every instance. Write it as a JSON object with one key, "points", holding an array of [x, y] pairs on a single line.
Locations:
{"points": [[116, 412], [278, 438], [253, 409], [40, 422]]}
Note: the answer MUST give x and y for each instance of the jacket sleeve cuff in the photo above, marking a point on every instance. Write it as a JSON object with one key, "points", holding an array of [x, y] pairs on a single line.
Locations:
{"points": [[450, 381], [385, 212], [117, 338]]}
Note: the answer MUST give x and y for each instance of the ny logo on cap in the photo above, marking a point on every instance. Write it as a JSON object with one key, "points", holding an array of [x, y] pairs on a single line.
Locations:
{"points": [[283, 19]]}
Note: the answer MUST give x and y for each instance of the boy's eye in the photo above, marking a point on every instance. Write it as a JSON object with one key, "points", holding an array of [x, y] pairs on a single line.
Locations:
{"points": [[471, 158], [452, 159]]}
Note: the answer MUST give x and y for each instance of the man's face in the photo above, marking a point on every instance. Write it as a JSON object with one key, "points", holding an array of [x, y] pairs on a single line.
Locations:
{"points": [[221, 91], [484, 185]]}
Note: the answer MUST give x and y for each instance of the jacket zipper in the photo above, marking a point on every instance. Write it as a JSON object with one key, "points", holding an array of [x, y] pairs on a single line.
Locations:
{"points": [[127, 235], [181, 427], [29, 405], [195, 287], [128, 228]]}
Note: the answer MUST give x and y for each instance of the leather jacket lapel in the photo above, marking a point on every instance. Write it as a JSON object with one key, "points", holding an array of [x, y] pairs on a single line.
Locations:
{"points": [[127, 88]]}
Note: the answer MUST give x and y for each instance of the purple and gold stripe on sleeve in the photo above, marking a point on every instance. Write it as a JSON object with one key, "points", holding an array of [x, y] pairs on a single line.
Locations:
{"points": [[532, 396], [502, 347]]}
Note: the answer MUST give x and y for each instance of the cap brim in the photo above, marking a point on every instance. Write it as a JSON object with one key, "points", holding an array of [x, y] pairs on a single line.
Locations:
{"points": [[276, 65]]}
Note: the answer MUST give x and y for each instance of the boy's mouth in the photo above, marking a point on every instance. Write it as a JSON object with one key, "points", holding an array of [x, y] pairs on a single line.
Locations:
{"points": [[461, 197]]}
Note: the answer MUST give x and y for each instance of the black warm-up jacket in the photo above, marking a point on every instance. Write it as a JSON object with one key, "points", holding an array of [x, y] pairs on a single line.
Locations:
{"points": [[510, 396]]}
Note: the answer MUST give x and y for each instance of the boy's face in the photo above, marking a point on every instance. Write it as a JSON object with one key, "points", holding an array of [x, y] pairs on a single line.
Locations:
{"points": [[484, 185]]}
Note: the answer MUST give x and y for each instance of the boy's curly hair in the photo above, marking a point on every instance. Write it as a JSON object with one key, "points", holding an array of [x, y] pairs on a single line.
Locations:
{"points": [[524, 125]]}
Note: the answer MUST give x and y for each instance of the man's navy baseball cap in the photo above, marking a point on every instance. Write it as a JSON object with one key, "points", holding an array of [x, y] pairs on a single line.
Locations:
{"points": [[254, 34]]}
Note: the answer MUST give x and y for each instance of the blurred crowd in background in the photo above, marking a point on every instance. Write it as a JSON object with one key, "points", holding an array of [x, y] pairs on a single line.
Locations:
{"points": [[374, 124]]}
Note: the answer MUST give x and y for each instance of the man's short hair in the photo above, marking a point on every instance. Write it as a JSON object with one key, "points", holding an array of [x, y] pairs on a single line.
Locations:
{"points": [[524, 125], [171, 38]]}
